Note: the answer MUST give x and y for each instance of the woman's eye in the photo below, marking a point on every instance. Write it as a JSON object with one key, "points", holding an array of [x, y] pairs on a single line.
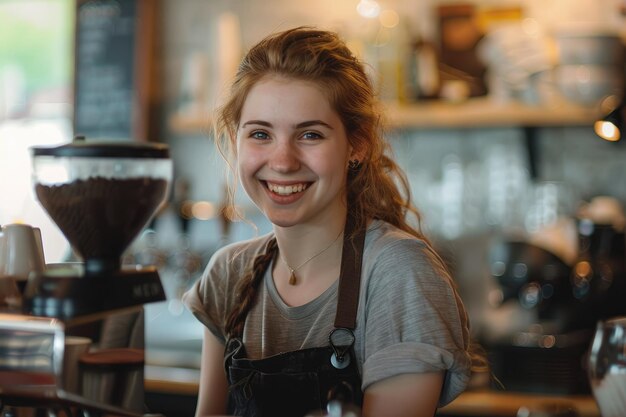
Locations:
{"points": [[257, 134], [311, 135]]}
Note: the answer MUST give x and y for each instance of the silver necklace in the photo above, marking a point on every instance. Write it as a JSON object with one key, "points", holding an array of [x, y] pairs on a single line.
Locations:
{"points": [[293, 280]]}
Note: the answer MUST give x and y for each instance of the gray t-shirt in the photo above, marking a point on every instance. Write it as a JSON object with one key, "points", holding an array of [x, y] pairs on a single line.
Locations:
{"points": [[410, 317]]}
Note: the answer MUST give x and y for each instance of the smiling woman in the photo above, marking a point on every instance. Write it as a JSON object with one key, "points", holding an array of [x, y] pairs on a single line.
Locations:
{"points": [[344, 300], [35, 109]]}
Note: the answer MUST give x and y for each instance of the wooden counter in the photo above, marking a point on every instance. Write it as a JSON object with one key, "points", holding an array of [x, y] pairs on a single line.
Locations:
{"points": [[170, 380], [490, 403], [182, 381]]}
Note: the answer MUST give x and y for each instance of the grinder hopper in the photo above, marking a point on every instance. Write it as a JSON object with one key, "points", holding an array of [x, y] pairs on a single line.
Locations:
{"points": [[100, 195]]}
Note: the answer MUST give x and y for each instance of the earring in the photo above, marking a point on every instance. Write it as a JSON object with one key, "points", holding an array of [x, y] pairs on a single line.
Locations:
{"points": [[354, 165]]}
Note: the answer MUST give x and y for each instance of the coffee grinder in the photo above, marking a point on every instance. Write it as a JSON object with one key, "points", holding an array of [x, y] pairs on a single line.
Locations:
{"points": [[77, 345]]}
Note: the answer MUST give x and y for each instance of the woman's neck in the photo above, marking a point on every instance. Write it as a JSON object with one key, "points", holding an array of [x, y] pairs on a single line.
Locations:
{"points": [[308, 261]]}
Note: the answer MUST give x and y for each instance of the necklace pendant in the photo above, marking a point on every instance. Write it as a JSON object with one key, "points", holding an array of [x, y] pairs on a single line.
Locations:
{"points": [[292, 278]]}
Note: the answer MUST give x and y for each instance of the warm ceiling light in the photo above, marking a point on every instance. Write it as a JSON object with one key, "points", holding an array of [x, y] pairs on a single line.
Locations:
{"points": [[610, 127], [203, 210], [368, 8], [607, 130]]}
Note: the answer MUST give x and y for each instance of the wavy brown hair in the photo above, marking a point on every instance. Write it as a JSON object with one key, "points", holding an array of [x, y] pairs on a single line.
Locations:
{"points": [[379, 189]]}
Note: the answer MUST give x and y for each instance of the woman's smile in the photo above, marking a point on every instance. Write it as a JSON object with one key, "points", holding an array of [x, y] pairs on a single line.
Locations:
{"points": [[285, 193], [286, 189]]}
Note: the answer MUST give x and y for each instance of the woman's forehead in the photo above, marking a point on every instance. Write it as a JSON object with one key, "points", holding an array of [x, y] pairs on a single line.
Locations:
{"points": [[287, 99]]}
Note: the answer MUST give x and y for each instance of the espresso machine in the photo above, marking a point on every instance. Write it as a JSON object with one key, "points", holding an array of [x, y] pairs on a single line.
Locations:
{"points": [[75, 346], [562, 302]]}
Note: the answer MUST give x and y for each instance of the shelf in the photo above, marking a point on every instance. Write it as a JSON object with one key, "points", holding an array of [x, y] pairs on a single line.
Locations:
{"points": [[473, 113], [481, 112]]}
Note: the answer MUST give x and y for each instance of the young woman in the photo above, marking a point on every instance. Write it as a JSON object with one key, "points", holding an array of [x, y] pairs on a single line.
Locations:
{"points": [[345, 298]]}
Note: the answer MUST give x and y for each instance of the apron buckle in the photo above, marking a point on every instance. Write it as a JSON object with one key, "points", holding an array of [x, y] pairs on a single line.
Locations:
{"points": [[341, 339]]}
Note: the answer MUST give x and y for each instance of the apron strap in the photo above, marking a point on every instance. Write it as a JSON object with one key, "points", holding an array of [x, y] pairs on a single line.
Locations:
{"points": [[350, 276]]}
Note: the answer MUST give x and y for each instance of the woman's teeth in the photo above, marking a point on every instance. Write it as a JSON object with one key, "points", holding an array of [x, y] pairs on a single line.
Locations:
{"points": [[286, 189]]}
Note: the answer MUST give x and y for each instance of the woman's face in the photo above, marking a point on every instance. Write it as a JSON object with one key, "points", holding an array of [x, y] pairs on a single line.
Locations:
{"points": [[292, 153]]}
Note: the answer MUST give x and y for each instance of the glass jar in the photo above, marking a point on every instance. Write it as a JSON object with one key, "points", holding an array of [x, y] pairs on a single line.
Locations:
{"points": [[101, 194], [607, 367]]}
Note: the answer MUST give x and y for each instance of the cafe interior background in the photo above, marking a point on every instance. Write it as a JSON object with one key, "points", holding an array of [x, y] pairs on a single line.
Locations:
{"points": [[491, 110]]}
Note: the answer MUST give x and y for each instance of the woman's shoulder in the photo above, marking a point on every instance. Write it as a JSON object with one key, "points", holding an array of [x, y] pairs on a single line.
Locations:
{"points": [[390, 251], [382, 236], [237, 254]]}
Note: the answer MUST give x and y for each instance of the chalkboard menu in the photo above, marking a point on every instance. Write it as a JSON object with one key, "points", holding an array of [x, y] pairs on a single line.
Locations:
{"points": [[108, 88]]}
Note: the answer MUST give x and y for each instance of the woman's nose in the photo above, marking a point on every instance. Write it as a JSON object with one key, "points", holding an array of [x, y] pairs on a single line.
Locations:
{"points": [[284, 158]]}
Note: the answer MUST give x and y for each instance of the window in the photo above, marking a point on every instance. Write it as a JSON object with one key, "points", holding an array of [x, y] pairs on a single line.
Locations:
{"points": [[36, 73]]}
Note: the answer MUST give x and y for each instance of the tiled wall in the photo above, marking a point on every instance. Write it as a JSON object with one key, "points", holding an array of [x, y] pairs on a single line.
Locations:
{"points": [[464, 181], [485, 174]]}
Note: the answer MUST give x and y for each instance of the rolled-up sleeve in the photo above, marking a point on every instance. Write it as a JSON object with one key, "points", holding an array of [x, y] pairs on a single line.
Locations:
{"points": [[415, 321]]}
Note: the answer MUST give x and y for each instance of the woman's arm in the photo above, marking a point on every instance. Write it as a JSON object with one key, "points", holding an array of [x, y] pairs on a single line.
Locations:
{"points": [[407, 395], [213, 390]]}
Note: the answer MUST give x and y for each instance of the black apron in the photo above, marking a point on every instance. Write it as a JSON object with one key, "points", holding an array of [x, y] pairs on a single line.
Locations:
{"points": [[293, 384]]}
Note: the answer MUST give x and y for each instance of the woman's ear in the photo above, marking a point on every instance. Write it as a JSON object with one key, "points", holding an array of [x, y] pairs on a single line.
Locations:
{"points": [[356, 160], [358, 153]]}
